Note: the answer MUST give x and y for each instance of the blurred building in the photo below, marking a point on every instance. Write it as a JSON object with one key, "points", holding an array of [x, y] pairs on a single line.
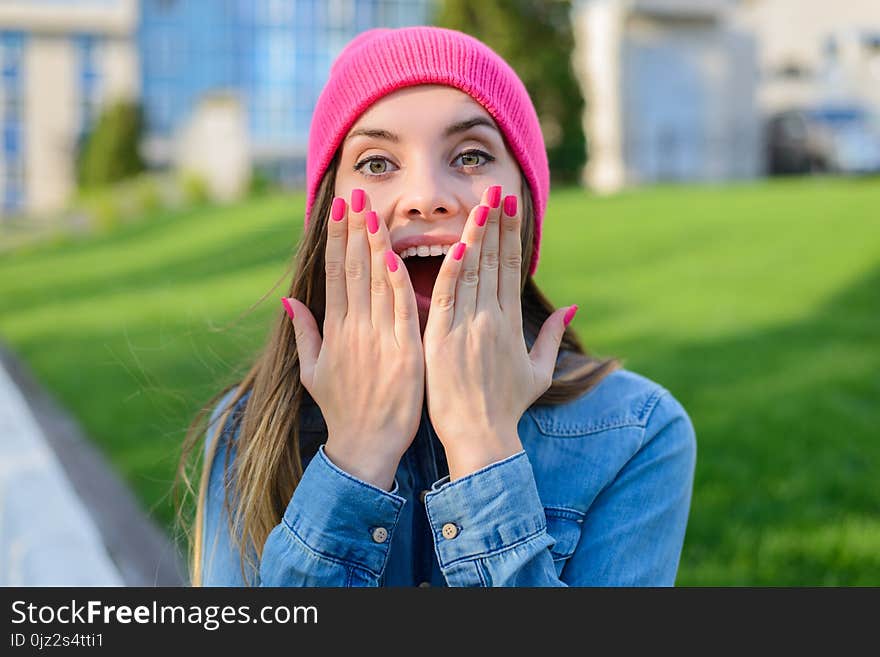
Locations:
{"points": [[813, 53], [60, 61], [819, 89], [670, 90], [694, 90], [63, 59]]}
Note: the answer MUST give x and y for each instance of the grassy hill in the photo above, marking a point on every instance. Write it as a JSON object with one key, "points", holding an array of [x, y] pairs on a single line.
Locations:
{"points": [[757, 305]]}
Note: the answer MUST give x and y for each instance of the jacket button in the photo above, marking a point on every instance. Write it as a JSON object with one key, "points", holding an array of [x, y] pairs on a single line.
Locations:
{"points": [[380, 534], [424, 585], [450, 530]]}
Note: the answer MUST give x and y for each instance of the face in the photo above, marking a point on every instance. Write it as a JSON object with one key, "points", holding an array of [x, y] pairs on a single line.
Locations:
{"points": [[424, 155]]}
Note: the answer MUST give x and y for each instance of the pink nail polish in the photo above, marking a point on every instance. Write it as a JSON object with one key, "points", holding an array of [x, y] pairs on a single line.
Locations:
{"points": [[391, 260], [510, 206], [287, 307], [570, 315], [495, 196], [458, 250], [337, 212], [358, 200], [372, 222], [482, 214]]}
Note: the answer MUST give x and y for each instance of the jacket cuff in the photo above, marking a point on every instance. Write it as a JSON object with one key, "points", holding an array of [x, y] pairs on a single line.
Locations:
{"points": [[342, 517], [486, 511]]}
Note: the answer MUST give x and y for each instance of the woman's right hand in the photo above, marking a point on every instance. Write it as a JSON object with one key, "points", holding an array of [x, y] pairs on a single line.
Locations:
{"points": [[367, 375]]}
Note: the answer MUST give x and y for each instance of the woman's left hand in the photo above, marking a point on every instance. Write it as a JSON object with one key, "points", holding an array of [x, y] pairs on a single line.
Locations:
{"points": [[479, 376]]}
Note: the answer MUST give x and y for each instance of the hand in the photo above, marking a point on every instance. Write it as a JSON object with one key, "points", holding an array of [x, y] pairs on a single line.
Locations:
{"points": [[367, 375], [480, 377]]}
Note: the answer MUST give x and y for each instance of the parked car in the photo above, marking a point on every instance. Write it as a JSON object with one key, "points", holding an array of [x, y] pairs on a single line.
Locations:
{"points": [[838, 139]]}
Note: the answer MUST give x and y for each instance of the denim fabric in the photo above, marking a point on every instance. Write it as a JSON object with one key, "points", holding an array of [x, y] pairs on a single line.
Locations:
{"points": [[599, 496]]}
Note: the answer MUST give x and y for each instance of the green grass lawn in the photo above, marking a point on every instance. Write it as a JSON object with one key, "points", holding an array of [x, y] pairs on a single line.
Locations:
{"points": [[757, 305]]}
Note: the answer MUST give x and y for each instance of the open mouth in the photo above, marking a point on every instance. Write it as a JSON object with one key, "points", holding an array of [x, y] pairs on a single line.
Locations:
{"points": [[423, 273]]}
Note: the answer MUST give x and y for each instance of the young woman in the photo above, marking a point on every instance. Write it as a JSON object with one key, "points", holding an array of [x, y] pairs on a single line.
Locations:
{"points": [[422, 415]]}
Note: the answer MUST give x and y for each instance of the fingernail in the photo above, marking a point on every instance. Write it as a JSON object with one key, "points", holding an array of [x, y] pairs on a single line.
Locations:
{"points": [[482, 214], [570, 314], [495, 196], [357, 200], [458, 250], [337, 212], [287, 307], [372, 222], [510, 206], [390, 260]]}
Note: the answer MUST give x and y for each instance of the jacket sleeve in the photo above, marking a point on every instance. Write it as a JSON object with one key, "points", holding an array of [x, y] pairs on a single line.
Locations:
{"points": [[489, 527], [335, 532]]}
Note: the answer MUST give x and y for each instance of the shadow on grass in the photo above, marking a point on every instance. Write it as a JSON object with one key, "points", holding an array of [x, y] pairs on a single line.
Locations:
{"points": [[788, 458], [258, 248]]}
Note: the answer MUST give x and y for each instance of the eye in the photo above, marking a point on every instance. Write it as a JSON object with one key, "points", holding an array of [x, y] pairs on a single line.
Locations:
{"points": [[369, 162], [472, 155]]}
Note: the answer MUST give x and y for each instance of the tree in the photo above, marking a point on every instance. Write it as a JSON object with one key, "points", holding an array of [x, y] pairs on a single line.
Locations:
{"points": [[111, 151], [536, 38]]}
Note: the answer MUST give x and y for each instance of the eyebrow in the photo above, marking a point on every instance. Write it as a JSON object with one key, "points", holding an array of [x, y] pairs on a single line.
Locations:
{"points": [[455, 128]]}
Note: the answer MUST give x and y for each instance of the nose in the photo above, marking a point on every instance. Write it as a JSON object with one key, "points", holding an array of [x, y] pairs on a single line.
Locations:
{"points": [[428, 194]]}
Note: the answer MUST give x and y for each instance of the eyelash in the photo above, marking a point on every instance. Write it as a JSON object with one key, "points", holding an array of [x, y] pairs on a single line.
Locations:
{"points": [[473, 151]]}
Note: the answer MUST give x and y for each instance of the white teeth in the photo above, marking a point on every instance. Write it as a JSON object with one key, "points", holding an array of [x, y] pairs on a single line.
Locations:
{"points": [[425, 251]]}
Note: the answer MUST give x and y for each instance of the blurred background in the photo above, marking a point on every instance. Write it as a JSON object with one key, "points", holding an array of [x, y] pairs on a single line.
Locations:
{"points": [[715, 212]]}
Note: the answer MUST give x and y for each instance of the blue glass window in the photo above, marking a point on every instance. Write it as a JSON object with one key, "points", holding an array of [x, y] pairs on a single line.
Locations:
{"points": [[12, 120]]}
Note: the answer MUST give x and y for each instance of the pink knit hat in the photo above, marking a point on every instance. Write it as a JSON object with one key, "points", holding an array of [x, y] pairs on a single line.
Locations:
{"points": [[380, 61]]}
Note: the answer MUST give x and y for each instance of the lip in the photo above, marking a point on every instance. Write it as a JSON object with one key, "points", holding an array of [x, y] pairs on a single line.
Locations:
{"points": [[424, 240]]}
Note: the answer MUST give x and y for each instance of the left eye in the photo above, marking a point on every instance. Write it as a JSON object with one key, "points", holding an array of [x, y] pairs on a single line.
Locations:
{"points": [[475, 155]]}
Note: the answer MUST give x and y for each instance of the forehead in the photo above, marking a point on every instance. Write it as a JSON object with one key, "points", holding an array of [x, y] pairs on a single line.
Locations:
{"points": [[420, 107]]}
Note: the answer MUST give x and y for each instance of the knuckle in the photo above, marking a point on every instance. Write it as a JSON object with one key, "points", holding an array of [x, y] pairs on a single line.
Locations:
{"points": [[379, 286], [354, 269], [470, 277], [512, 261], [489, 260], [335, 270], [445, 301], [405, 313]]}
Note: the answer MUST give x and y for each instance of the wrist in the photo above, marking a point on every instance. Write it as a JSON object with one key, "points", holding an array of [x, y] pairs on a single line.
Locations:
{"points": [[478, 456], [378, 472]]}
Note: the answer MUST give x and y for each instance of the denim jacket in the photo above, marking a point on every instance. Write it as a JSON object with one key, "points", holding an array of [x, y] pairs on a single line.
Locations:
{"points": [[599, 496]]}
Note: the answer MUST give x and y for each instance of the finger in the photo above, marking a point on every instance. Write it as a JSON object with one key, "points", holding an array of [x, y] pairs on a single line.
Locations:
{"points": [[334, 264], [357, 266], [487, 290], [406, 312], [442, 310], [381, 293], [510, 261], [308, 340], [545, 350], [469, 277]]}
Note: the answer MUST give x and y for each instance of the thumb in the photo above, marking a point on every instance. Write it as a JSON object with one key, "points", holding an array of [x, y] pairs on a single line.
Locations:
{"points": [[308, 340], [545, 350]]}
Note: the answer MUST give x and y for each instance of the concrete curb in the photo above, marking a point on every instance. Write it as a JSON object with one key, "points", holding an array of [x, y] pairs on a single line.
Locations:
{"points": [[67, 518]]}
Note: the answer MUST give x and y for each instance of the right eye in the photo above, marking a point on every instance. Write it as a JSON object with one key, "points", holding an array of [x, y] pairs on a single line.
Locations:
{"points": [[372, 164]]}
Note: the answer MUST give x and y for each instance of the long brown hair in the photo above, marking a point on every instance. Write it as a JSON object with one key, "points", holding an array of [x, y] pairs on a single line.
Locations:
{"points": [[268, 465]]}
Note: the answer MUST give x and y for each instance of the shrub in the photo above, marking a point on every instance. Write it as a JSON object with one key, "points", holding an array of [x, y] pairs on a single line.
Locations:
{"points": [[111, 151]]}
